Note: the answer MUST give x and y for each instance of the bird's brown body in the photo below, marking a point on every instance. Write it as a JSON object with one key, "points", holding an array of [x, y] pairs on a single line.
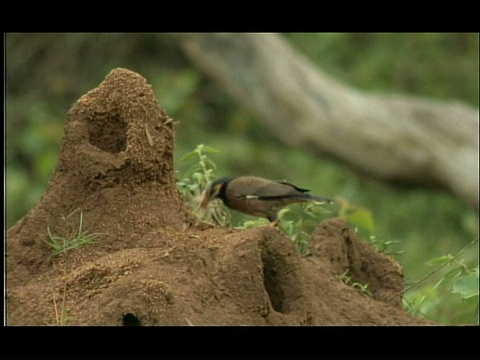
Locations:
{"points": [[257, 196]]}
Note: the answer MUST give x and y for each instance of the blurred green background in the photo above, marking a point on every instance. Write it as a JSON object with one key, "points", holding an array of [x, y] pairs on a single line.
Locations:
{"points": [[46, 73]]}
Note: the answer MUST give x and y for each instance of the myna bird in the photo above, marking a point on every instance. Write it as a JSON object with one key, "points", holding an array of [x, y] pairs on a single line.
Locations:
{"points": [[256, 196]]}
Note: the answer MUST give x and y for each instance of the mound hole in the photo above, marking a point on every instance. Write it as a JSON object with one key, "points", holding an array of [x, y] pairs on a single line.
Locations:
{"points": [[130, 320], [108, 133]]}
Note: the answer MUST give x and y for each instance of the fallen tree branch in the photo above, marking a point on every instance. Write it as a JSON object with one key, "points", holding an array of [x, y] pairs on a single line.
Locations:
{"points": [[393, 137]]}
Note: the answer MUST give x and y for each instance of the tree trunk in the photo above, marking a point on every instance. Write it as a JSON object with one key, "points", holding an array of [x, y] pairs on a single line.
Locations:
{"points": [[393, 137]]}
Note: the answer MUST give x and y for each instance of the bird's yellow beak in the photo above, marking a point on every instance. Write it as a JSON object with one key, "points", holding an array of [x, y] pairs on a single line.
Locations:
{"points": [[209, 194], [205, 199]]}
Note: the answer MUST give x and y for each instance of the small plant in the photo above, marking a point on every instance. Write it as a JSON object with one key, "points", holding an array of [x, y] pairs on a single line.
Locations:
{"points": [[384, 246], [63, 246], [362, 288], [62, 318], [466, 284], [459, 280], [194, 182], [300, 226]]}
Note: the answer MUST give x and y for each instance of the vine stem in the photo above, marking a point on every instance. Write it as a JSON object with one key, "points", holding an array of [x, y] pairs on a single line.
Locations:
{"points": [[438, 268]]}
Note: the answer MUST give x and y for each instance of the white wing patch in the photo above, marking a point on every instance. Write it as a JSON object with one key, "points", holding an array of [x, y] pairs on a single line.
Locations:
{"points": [[248, 197]]}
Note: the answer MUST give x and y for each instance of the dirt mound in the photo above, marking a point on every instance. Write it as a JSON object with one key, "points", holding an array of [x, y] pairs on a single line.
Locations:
{"points": [[154, 265]]}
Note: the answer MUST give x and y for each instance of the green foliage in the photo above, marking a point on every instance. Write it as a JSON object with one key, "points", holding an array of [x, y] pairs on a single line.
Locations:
{"points": [[299, 225], [30, 157], [175, 88], [455, 279], [362, 288], [194, 182], [202, 170], [384, 246], [357, 216], [362, 219], [467, 284], [62, 318], [63, 245], [401, 62]]}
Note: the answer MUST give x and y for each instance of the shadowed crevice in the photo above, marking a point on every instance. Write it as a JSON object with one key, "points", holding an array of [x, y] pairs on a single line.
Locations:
{"points": [[272, 270], [130, 319], [108, 133]]}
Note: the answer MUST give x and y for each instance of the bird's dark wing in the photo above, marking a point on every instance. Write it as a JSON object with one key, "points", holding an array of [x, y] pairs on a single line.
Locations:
{"points": [[277, 190], [293, 186], [253, 187]]}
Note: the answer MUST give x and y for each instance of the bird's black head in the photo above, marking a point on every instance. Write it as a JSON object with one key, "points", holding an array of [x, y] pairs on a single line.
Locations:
{"points": [[216, 189]]}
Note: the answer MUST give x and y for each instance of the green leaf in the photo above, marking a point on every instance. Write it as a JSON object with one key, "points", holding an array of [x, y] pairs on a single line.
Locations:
{"points": [[189, 156], [209, 149], [197, 177], [362, 218], [449, 275], [466, 286], [439, 261], [254, 223], [211, 163], [282, 212], [287, 227], [193, 187]]}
